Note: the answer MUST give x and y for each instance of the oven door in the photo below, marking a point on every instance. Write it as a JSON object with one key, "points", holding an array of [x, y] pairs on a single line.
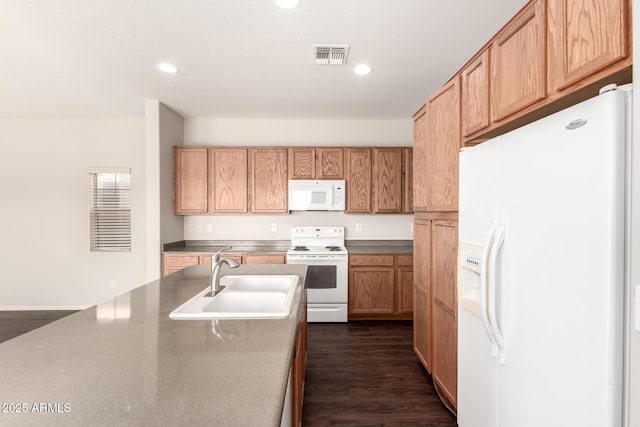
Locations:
{"points": [[326, 278]]}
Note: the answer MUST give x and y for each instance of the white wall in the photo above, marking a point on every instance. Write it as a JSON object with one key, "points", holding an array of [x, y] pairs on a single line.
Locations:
{"points": [[45, 257], [258, 227], [164, 129], [296, 132], [210, 131]]}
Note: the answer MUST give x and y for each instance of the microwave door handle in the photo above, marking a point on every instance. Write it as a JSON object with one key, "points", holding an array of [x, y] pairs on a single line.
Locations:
{"points": [[330, 196]]}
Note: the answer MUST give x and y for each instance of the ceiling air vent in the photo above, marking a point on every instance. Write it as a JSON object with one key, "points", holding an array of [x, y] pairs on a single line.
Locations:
{"points": [[330, 54]]}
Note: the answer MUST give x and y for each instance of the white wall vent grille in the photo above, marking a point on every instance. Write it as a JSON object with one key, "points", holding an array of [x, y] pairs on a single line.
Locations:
{"points": [[330, 54]]}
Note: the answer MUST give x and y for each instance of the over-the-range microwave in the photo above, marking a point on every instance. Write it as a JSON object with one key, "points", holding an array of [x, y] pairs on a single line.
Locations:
{"points": [[316, 195]]}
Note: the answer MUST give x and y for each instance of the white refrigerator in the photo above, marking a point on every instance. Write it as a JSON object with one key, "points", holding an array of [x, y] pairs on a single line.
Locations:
{"points": [[542, 285]]}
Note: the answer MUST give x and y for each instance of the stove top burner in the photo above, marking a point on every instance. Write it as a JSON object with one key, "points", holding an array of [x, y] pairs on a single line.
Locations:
{"points": [[300, 248], [333, 248]]}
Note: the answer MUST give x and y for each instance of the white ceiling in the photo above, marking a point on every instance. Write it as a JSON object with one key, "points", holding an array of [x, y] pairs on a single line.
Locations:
{"points": [[237, 58]]}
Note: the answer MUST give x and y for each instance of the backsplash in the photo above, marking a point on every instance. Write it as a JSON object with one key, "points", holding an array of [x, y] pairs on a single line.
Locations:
{"points": [[278, 226]]}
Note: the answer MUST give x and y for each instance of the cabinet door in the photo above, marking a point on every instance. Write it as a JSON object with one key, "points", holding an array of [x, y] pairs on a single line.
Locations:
{"points": [[584, 37], [173, 263], [371, 290], [422, 327], [330, 163], [190, 180], [420, 156], [444, 302], [474, 87], [268, 180], [358, 180], [404, 283], [407, 180], [443, 148], [387, 172], [518, 62], [227, 180], [302, 163]]}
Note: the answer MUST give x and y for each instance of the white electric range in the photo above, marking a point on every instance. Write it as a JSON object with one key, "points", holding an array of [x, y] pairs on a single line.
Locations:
{"points": [[322, 249]]}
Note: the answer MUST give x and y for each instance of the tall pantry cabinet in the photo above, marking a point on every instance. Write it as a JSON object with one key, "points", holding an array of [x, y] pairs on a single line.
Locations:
{"points": [[435, 201]]}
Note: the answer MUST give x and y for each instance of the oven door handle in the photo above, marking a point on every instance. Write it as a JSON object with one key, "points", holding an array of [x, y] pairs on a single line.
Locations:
{"points": [[325, 309]]}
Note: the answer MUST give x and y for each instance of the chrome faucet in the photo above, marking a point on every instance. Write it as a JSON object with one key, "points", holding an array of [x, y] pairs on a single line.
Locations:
{"points": [[216, 263]]}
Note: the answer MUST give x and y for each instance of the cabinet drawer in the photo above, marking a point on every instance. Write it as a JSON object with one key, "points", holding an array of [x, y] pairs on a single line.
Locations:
{"points": [[382, 260], [405, 260], [206, 259], [180, 260], [263, 259]]}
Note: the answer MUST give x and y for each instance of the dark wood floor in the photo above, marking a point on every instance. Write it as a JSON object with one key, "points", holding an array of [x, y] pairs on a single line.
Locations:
{"points": [[14, 323], [358, 373], [366, 374]]}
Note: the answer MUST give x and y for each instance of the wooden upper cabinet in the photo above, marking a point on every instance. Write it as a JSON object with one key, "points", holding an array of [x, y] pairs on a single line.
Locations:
{"points": [[316, 163], [268, 180], [474, 87], [387, 173], [443, 146], [330, 163], [420, 156], [407, 180], [518, 62], [190, 180], [585, 36], [358, 180], [302, 163], [228, 179]]}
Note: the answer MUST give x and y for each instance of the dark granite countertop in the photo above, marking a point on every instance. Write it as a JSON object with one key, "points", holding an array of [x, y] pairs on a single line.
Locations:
{"points": [[125, 362], [379, 246], [281, 246]]}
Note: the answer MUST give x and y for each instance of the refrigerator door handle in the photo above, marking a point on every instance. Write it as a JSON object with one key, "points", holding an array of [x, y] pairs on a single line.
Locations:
{"points": [[493, 293], [484, 266]]}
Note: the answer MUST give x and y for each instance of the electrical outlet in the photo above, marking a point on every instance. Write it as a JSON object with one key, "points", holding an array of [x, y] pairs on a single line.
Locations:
{"points": [[274, 226], [190, 224], [209, 228], [358, 227], [113, 284]]}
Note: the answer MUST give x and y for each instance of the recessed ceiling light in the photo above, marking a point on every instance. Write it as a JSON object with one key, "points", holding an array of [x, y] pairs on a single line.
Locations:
{"points": [[362, 69], [288, 4], [167, 68]]}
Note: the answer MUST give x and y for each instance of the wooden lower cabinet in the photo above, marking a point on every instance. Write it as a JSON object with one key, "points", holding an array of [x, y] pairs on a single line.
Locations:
{"points": [[435, 309], [404, 285], [380, 286], [172, 262], [445, 352], [421, 327]]}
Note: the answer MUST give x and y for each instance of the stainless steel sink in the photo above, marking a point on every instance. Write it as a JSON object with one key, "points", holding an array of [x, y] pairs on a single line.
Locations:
{"points": [[243, 297]]}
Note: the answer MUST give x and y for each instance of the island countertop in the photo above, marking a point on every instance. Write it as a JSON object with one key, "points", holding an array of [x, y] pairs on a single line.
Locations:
{"points": [[125, 362]]}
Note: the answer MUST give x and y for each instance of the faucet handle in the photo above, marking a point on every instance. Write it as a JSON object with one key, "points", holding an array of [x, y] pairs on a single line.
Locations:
{"points": [[216, 256]]}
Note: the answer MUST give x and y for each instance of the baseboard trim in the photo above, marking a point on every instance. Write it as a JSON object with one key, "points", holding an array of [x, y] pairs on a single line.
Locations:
{"points": [[42, 307]]}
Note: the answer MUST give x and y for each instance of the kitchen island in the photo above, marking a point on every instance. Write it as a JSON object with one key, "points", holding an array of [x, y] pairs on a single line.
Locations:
{"points": [[125, 362]]}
